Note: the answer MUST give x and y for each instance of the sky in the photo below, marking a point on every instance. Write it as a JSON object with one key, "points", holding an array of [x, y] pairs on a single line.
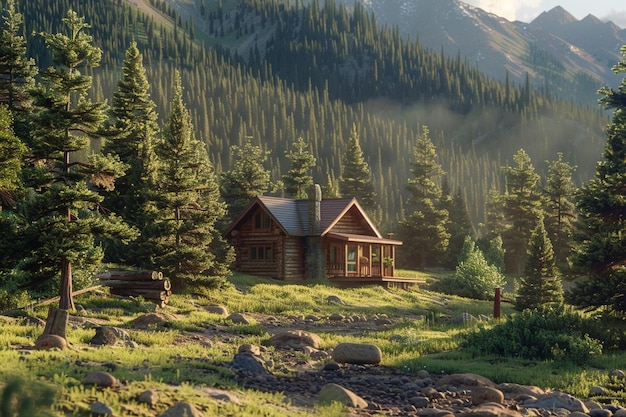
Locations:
{"points": [[527, 10]]}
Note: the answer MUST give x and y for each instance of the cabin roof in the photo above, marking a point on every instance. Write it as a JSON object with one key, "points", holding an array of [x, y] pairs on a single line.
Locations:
{"points": [[292, 216]]}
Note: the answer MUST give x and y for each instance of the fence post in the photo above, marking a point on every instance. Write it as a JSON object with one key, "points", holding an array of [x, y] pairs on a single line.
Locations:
{"points": [[496, 303]]}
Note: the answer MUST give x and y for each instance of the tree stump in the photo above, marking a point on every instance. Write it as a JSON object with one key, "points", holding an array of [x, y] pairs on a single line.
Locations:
{"points": [[56, 324]]}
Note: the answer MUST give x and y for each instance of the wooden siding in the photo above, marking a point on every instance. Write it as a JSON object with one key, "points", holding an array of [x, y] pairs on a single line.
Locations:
{"points": [[352, 223]]}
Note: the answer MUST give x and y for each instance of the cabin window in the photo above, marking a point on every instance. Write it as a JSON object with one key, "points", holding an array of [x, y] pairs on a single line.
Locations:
{"points": [[263, 253], [262, 220], [351, 259]]}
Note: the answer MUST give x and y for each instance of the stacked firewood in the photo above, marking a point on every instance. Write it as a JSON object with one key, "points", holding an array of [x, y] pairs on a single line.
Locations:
{"points": [[147, 284]]}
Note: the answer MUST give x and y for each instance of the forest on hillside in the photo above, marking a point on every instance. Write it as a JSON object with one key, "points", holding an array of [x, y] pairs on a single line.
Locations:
{"points": [[318, 71]]}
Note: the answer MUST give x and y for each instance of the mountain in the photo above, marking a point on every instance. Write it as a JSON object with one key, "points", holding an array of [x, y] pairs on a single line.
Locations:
{"points": [[570, 56]]}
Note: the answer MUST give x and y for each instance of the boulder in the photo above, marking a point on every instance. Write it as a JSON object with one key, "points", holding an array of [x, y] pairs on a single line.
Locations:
{"points": [[150, 397], [557, 400], [100, 379], [481, 395], [182, 409], [150, 320], [100, 409], [465, 381], [295, 339], [249, 363], [357, 353], [491, 410], [50, 341], [105, 336], [238, 318], [333, 392], [217, 309]]}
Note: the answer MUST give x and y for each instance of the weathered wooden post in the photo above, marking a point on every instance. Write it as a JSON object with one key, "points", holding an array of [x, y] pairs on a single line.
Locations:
{"points": [[54, 333], [496, 303]]}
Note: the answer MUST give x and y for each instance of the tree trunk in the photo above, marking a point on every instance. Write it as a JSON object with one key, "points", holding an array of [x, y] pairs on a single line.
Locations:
{"points": [[66, 301], [56, 323]]}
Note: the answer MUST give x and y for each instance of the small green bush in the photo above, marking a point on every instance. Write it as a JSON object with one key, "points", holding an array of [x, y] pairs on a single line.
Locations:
{"points": [[546, 333]]}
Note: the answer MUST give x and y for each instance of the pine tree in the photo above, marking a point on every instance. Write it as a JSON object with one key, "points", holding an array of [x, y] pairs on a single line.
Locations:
{"points": [[522, 206], [601, 204], [423, 230], [11, 151], [187, 245], [63, 213], [474, 277], [246, 179], [17, 72], [459, 224], [559, 211], [132, 136], [299, 175], [356, 177], [541, 282]]}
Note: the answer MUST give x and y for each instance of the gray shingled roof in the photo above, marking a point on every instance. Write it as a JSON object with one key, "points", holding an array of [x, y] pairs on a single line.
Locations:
{"points": [[293, 215]]}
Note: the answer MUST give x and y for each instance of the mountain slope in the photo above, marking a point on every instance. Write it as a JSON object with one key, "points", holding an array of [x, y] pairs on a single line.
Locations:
{"points": [[586, 50]]}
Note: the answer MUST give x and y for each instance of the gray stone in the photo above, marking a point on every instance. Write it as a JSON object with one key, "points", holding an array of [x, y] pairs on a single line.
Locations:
{"points": [[311, 317], [105, 336], [100, 409], [334, 392], [150, 320], [217, 309], [492, 410], [34, 321], [600, 413], [238, 318], [248, 348], [99, 378], [295, 339], [557, 400], [333, 299], [182, 409], [618, 374], [357, 353], [150, 397], [336, 317], [331, 366], [465, 381], [249, 363], [597, 390]]}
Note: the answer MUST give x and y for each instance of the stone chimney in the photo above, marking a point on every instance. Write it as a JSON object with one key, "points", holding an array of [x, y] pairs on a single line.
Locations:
{"points": [[315, 262]]}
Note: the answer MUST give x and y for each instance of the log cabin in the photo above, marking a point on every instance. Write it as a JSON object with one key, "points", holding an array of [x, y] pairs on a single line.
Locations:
{"points": [[294, 240]]}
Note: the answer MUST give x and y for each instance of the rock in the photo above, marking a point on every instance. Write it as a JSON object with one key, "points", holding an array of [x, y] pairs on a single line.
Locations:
{"points": [[311, 317], [221, 395], [557, 400], [333, 299], [481, 395], [357, 353], [331, 366], [492, 410], [618, 374], [248, 348], [217, 309], [295, 339], [596, 390], [238, 318], [382, 321], [600, 413], [120, 333], [435, 412], [50, 341], [249, 363], [465, 381], [182, 409], [336, 317], [512, 391], [100, 378], [150, 397], [104, 337], [620, 412], [333, 392], [149, 320], [99, 409]]}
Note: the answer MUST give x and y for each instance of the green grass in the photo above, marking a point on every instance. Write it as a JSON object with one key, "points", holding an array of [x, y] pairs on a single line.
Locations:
{"points": [[182, 358]]}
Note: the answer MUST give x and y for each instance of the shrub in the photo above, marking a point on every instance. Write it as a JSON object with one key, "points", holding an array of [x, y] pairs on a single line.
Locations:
{"points": [[546, 333]]}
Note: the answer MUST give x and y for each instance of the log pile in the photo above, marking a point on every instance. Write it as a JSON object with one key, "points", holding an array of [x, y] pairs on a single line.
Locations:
{"points": [[150, 285]]}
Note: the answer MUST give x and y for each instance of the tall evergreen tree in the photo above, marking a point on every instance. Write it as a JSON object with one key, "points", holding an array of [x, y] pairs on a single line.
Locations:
{"points": [[601, 204], [459, 224], [299, 175], [17, 72], [186, 243], [63, 211], [423, 230], [541, 282], [132, 136], [522, 207], [246, 179], [11, 151], [356, 177], [559, 211]]}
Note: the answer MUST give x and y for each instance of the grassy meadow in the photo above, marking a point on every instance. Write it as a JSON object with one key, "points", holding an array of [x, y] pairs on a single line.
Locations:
{"points": [[185, 359]]}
